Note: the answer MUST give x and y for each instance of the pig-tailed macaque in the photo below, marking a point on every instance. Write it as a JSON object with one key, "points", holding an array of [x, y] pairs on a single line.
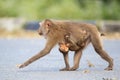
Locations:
{"points": [[70, 36]]}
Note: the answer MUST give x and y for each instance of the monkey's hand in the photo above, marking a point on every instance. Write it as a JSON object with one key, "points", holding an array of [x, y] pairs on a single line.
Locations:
{"points": [[21, 65]]}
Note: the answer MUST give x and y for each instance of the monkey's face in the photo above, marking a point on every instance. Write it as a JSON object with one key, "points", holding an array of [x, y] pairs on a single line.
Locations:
{"points": [[41, 29], [44, 28]]}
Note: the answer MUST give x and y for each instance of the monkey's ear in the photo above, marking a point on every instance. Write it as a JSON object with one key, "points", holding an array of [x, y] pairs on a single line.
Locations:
{"points": [[48, 23]]}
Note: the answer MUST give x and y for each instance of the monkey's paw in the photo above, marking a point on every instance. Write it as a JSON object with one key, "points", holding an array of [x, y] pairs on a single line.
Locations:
{"points": [[73, 68], [64, 69], [17, 65], [20, 65], [108, 68]]}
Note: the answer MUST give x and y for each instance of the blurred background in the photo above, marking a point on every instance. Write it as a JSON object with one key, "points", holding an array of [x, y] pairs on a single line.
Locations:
{"points": [[21, 17]]}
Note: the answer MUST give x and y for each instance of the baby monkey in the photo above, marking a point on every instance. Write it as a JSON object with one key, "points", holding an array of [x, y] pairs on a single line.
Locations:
{"points": [[70, 44], [66, 44]]}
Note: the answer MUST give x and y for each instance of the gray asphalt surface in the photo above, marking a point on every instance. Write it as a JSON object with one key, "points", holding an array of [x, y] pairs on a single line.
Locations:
{"points": [[16, 51]]}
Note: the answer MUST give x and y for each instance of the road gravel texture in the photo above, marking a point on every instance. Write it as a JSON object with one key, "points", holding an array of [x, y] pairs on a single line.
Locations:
{"points": [[16, 51]]}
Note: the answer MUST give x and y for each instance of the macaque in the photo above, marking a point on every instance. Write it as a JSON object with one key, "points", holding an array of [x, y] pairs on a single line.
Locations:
{"points": [[81, 34]]}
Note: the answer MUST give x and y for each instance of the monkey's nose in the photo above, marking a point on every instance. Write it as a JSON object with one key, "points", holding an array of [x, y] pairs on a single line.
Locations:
{"points": [[40, 33]]}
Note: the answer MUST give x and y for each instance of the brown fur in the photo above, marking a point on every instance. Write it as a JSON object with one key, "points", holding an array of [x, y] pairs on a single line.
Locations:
{"points": [[67, 43], [70, 43], [81, 35]]}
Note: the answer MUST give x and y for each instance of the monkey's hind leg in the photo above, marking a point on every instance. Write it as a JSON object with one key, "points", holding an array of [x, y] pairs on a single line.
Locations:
{"points": [[99, 49]]}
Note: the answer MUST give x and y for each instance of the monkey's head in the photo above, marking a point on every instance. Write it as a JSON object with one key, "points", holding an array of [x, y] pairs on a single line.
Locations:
{"points": [[67, 37], [45, 27]]}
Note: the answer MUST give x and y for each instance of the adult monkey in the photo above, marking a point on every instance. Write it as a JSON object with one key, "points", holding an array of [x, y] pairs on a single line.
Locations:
{"points": [[54, 31]]}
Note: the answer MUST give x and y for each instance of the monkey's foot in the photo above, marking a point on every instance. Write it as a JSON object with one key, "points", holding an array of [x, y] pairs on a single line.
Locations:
{"points": [[108, 68], [73, 68], [64, 69]]}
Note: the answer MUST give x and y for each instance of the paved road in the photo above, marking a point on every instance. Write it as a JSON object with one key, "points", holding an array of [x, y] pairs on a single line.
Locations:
{"points": [[16, 51]]}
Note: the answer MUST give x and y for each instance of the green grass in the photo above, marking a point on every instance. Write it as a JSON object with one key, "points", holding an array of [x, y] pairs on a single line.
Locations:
{"points": [[61, 9]]}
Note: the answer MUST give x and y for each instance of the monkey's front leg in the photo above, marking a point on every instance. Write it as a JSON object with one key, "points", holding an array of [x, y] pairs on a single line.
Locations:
{"points": [[34, 58], [65, 55], [42, 53]]}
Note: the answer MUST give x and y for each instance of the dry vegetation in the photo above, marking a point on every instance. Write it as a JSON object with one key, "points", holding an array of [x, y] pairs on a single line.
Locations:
{"points": [[115, 35], [18, 34], [33, 34]]}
